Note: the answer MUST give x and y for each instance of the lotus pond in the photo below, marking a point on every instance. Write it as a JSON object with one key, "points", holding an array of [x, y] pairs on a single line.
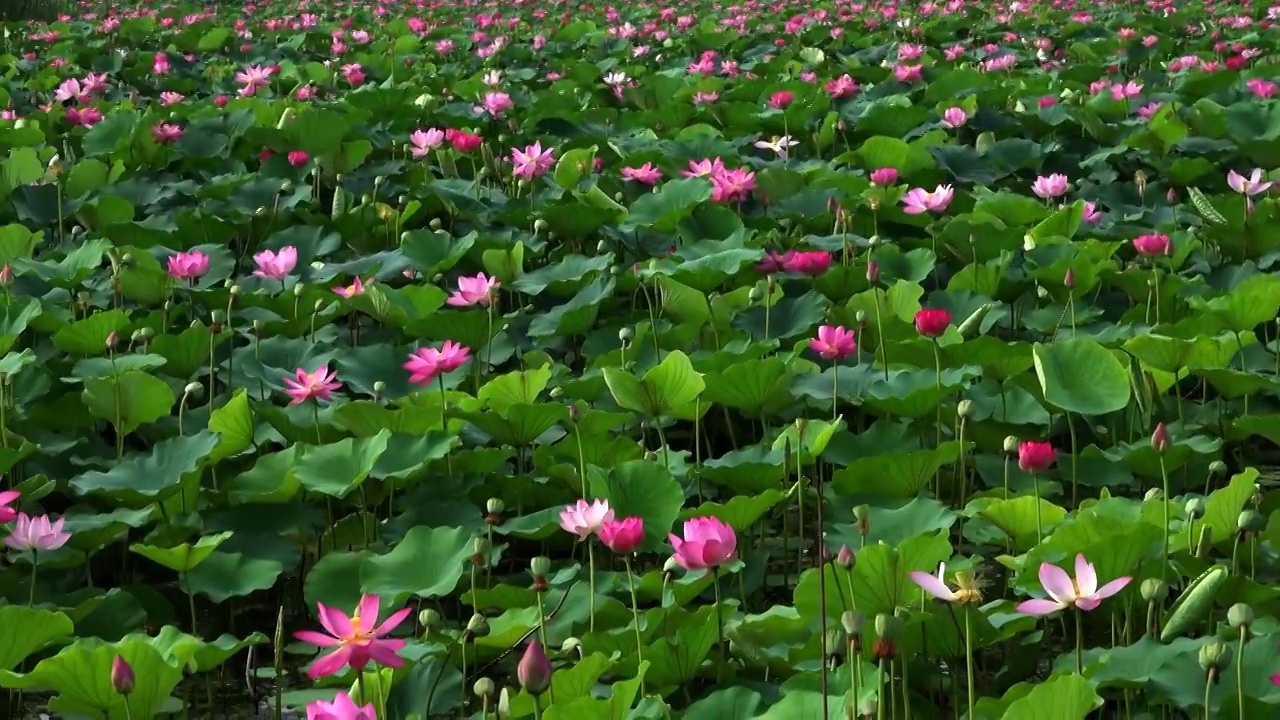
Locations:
{"points": [[789, 359]]}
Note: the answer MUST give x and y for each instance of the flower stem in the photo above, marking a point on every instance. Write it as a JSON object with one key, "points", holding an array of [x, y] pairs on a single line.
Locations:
{"points": [[968, 659], [884, 349], [1035, 485], [1079, 643], [591, 577], [31, 593], [1164, 477], [444, 422], [635, 614], [1240, 673], [724, 656]]}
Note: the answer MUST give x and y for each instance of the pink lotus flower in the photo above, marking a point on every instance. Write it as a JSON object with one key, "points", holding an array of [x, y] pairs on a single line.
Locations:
{"points": [[833, 342], [954, 117], [583, 518], [37, 533], [7, 514], [705, 167], [83, 117], [884, 177], [936, 585], [252, 78], [1082, 592], [907, 73], [932, 322], [807, 262], [342, 708], [353, 74], [532, 161], [918, 200], [842, 86], [1250, 186], [707, 543], [165, 133], [355, 288], [188, 265], [463, 142], [622, 536], [1050, 187], [298, 158], [732, 185], [425, 363], [359, 638], [781, 99], [1153, 245], [476, 290], [1091, 212], [496, 103], [318, 385], [422, 142], [276, 265], [646, 174], [160, 64]]}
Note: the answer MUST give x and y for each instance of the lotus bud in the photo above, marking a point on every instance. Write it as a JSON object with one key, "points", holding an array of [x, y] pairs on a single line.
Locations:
{"points": [[534, 670], [122, 678], [540, 566], [1213, 657], [1249, 521], [1240, 616], [873, 272], [964, 408], [477, 626], [112, 339], [428, 618], [1069, 279], [845, 557], [193, 389], [504, 704], [1154, 590], [1172, 196], [435, 225], [1195, 508], [483, 688], [1160, 439], [1217, 468]]}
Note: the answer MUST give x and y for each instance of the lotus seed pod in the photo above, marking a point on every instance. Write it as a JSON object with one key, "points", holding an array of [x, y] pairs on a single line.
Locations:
{"points": [[380, 180], [670, 565], [556, 392], [887, 626], [873, 241], [402, 200], [570, 644], [1240, 616], [147, 333], [217, 316], [1250, 521], [626, 334], [1154, 590], [869, 706], [504, 705], [964, 408], [436, 280], [259, 325], [1213, 655], [1217, 468], [483, 688], [366, 199], [261, 211], [480, 545], [540, 566], [379, 387], [477, 626], [299, 289], [835, 642], [317, 306], [286, 186], [551, 236], [539, 225], [860, 317], [495, 506], [234, 290], [483, 173], [755, 295], [428, 618], [852, 621], [194, 324], [126, 259], [1195, 508], [617, 197], [1042, 292], [602, 246], [435, 225], [194, 389], [861, 512], [1153, 495]]}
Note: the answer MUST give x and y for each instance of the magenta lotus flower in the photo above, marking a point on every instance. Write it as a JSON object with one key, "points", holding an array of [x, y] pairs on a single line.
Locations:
{"points": [[476, 290], [884, 177], [425, 363], [359, 639], [707, 543], [646, 174], [276, 265], [954, 117], [342, 708], [532, 161], [833, 342], [355, 288], [7, 514], [918, 200], [37, 533], [1153, 245], [1082, 592], [584, 518], [622, 536], [318, 385], [188, 265]]}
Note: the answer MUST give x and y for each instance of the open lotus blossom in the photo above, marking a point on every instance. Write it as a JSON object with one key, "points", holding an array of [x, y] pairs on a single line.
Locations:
{"points": [[833, 342], [1091, 212], [275, 265], [966, 592], [318, 385], [918, 200], [188, 265], [704, 168], [806, 262], [462, 141], [495, 104], [477, 290], [707, 543], [356, 287], [884, 177], [7, 514], [252, 78], [342, 708], [646, 174], [165, 133], [422, 142], [1153, 245], [425, 364], [359, 639], [1250, 186], [781, 146], [1051, 186], [954, 117], [532, 161], [1064, 592], [36, 533], [585, 518]]}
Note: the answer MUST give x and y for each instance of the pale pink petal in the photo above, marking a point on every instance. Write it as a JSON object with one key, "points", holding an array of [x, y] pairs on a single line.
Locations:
{"points": [[1112, 588], [1057, 583], [1086, 576], [1039, 607], [933, 585], [1088, 603]]}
